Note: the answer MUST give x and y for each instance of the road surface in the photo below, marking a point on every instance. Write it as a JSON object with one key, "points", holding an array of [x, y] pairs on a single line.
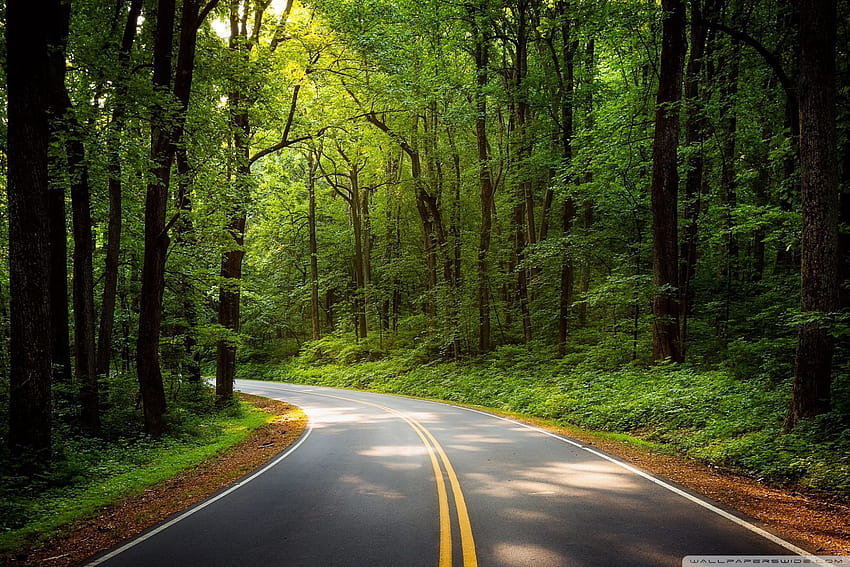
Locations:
{"points": [[397, 482]]}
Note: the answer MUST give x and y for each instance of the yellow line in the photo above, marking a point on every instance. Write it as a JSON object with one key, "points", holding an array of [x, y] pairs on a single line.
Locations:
{"points": [[442, 496], [470, 558], [466, 540]]}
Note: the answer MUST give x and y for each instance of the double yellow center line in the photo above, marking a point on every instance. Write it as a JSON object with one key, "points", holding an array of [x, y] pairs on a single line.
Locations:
{"points": [[437, 456]]}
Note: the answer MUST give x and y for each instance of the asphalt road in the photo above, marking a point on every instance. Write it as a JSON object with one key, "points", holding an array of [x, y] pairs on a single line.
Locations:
{"points": [[396, 482]]}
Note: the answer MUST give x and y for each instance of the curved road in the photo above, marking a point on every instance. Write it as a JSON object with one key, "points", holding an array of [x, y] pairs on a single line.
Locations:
{"points": [[397, 482]]}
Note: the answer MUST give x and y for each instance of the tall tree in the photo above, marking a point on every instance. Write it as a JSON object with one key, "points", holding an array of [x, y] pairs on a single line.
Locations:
{"points": [[695, 129], [167, 122], [486, 187], [665, 186], [811, 394], [113, 231], [27, 72]]}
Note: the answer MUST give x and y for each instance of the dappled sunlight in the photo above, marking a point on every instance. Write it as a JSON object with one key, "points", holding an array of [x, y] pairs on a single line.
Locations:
{"points": [[521, 554], [397, 457], [556, 479], [324, 417], [597, 475], [361, 486], [520, 515], [394, 451]]}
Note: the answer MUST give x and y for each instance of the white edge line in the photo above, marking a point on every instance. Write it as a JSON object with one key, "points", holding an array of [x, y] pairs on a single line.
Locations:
{"points": [[134, 542], [696, 500], [707, 505]]}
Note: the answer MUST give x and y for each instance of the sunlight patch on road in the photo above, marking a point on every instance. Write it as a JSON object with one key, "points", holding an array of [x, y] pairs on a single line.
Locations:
{"points": [[519, 515], [366, 488], [394, 451], [527, 554]]}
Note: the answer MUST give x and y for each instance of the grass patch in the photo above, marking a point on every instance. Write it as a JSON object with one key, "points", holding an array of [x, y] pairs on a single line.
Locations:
{"points": [[89, 474]]}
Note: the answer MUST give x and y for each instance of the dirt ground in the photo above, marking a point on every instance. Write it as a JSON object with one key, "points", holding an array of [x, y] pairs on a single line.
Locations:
{"points": [[817, 523]]}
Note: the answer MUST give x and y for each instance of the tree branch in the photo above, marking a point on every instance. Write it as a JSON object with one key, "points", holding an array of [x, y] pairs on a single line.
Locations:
{"points": [[771, 59], [205, 12]]}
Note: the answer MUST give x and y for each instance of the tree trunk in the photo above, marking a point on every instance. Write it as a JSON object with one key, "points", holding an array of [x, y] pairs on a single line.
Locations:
{"points": [[183, 236], [84, 318], [485, 185], [57, 26], [665, 186], [361, 326], [228, 309], [568, 211], [27, 65], [525, 204], [312, 165], [57, 245], [113, 231], [811, 394], [694, 138], [166, 131], [587, 213]]}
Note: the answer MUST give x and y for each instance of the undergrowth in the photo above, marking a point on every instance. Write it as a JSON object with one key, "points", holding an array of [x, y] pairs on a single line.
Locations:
{"points": [[88, 473], [715, 414]]}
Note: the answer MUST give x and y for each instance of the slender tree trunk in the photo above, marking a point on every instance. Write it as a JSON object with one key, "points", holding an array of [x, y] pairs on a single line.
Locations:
{"points": [[229, 295], [312, 165], [485, 185], [183, 230], [587, 212], [523, 204], [59, 329], [665, 186], [57, 25], [156, 237], [84, 318], [694, 138], [361, 326], [27, 69], [228, 310], [166, 131], [568, 211], [113, 232], [811, 394]]}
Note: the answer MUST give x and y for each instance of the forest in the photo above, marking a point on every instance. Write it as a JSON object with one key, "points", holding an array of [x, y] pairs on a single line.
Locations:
{"points": [[630, 215]]}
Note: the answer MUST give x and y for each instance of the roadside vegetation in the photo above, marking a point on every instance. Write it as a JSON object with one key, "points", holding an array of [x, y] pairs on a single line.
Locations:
{"points": [[90, 473], [730, 415]]}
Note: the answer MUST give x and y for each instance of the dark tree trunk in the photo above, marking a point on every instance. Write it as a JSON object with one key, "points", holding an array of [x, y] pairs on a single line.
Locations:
{"points": [[229, 294], [524, 204], [57, 28], [565, 302], [113, 232], [568, 212], [587, 213], [312, 165], [665, 186], [819, 179], [694, 138], [485, 184], [156, 237], [84, 318], [183, 236], [166, 131], [228, 310], [27, 45], [60, 328]]}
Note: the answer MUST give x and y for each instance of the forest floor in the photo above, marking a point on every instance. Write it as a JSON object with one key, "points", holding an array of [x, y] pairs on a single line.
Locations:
{"points": [[818, 523]]}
